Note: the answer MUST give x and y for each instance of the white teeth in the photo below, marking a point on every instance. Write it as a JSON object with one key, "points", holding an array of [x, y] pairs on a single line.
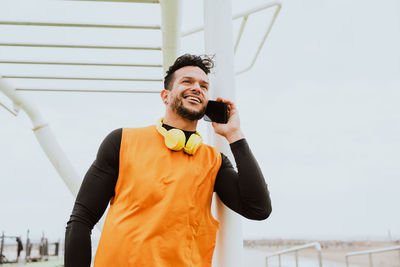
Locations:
{"points": [[194, 98]]}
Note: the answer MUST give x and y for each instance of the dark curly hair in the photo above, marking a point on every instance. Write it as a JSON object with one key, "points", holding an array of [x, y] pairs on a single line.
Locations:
{"points": [[204, 62]]}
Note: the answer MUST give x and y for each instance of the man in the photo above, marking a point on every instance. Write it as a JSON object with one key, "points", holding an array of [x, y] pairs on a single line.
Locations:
{"points": [[159, 181], [20, 247]]}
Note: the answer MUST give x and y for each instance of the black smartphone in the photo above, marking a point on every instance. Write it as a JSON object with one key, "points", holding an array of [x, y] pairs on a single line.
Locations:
{"points": [[216, 112]]}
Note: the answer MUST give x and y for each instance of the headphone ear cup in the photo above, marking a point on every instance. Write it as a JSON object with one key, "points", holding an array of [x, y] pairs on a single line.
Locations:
{"points": [[193, 144], [175, 139]]}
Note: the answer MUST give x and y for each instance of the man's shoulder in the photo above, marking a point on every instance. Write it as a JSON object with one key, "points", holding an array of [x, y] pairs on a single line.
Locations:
{"points": [[209, 147], [211, 150], [114, 136], [138, 129], [145, 130]]}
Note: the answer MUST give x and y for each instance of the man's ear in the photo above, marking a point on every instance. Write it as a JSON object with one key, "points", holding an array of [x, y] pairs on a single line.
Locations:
{"points": [[164, 96]]}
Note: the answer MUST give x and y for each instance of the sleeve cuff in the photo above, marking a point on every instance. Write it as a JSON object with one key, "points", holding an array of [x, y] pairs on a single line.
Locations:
{"points": [[238, 144]]}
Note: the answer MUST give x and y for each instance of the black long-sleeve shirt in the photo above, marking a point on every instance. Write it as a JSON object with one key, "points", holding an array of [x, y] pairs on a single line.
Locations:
{"points": [[244, 191]]}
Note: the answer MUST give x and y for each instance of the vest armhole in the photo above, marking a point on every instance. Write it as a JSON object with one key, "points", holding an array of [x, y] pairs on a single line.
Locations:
{"points": [[120, 160], [210, 215]]}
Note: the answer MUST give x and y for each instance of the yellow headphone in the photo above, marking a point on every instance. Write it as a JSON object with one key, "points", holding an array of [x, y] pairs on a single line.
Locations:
{"points": [[175, 139]]}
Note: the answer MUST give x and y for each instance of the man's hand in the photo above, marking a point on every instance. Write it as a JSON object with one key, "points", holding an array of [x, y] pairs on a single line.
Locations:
{"points": [[231, 130]]}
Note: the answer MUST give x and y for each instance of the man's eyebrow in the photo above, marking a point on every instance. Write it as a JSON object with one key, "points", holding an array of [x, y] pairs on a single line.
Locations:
{"points": [[191, 78]]}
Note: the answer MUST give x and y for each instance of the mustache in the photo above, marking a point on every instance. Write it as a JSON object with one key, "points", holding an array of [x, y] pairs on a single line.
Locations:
{"points": [[182, 111]]}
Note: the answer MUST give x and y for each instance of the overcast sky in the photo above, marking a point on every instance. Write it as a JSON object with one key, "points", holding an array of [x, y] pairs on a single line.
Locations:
{"points": [[319, 109]]}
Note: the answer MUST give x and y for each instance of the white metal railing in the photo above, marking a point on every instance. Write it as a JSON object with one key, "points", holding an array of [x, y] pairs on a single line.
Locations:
{"points": [[245, 15], [130, 1], [85, 25], [295, 249], [81, 64], [12, 110], [370, 252], [84, 91], [83, 46], [82, 78], [73, 46]]}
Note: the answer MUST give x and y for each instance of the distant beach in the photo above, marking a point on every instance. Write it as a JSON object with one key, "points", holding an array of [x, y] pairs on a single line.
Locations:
{"points": [[333, 252], [52, 262]]}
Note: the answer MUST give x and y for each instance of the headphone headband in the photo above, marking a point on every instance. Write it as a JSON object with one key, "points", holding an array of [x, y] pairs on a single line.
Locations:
{"points": [[175, 139]]}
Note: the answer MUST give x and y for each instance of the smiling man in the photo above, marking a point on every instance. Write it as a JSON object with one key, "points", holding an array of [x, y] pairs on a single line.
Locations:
{"points": [[159, 181], [196, 100]]}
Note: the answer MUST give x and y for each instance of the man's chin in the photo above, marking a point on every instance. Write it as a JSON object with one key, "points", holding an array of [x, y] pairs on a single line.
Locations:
{"points": [[194, 108], [191, 114]]}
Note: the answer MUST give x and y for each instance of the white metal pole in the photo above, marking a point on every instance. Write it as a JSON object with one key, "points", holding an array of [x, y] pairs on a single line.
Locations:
{"points": [[45, 138], [171, 30], [218, 34]]}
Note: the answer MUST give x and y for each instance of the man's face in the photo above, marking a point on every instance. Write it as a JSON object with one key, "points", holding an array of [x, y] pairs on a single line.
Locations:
{"points": [[189, 92]]}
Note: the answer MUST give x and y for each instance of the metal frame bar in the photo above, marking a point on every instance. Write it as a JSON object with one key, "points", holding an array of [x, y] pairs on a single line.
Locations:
{"points": [[82, 46], [370, 252], [45, 137], [82, 64], [295, 249], [239, 15], [130, 1], [245, 15], [53, 24], [157, 27], [87, 91], [277, 10], [83, 78], [243, 24], [11, 110]]}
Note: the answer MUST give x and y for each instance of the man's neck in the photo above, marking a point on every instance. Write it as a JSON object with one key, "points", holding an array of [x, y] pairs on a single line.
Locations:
{"points": [[176, 121]]}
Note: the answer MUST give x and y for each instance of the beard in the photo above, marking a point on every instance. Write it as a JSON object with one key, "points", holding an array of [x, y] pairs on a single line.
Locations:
{"points": [[186, 113]]}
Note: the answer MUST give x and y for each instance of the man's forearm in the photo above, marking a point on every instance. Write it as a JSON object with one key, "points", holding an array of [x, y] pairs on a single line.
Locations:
{"points": [[253, 189], [78, 252], [245, 192]]}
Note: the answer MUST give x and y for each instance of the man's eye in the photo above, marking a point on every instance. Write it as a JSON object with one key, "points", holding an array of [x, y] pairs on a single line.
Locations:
{"points": [[187, 81]]}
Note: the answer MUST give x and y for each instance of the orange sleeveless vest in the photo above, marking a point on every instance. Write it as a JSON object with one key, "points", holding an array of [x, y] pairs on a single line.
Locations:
{"points": [[161, 213]]}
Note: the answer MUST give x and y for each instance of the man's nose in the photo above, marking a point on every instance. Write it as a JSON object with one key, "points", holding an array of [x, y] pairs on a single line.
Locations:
{"points": [[196, 88]]}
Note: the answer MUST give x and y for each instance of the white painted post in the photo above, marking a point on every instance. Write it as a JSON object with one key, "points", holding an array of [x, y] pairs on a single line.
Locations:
{"points": [[45, 138], [171, 30], [371, 264], [218, 35], [399, 255]]}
